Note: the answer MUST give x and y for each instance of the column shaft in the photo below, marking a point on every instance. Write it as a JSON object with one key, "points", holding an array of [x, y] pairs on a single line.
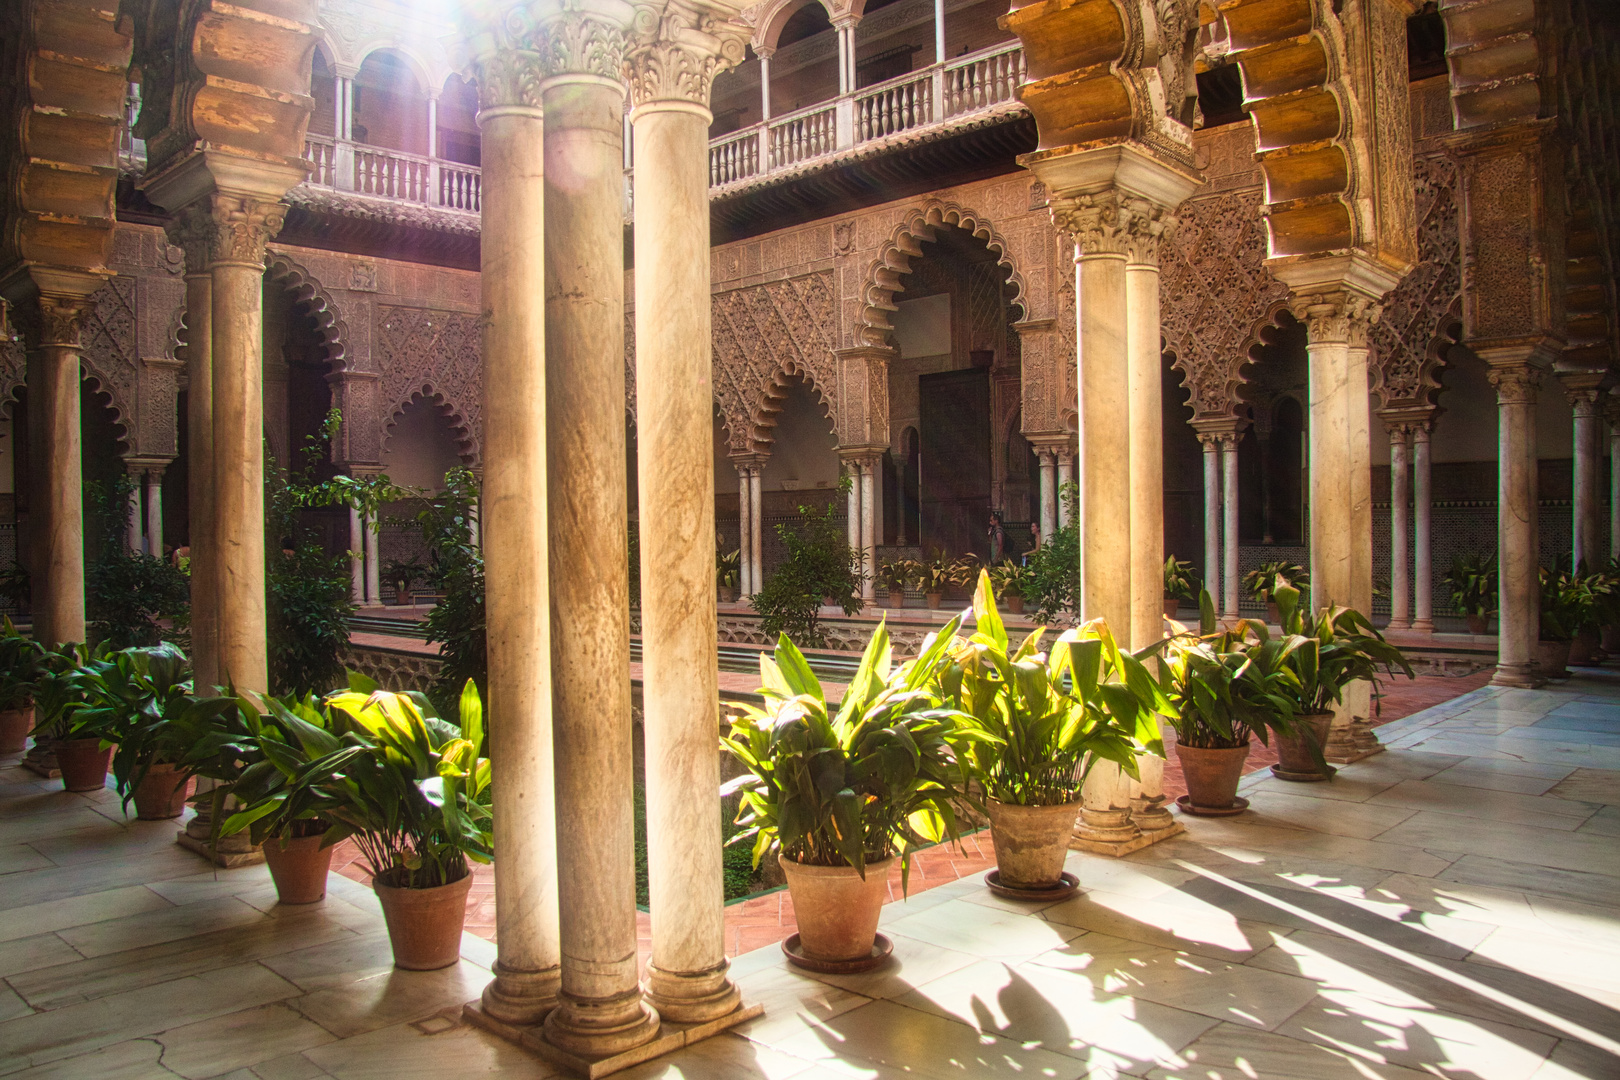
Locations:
{"points": [[1586, 549], [1212, 518], [357, 557], [154, 513], [59, 510], [1230, 581], [239, 473], [135, 528], [868, 468], [1065, 477], [852, 504], [1422, 534], [1146, 453], [1331, 494], [686, 980], [764, 86], [518, 597], [756, 522], [745, 535], [1049, 513], [1517, 512], [599, 1007], [373, 560], [200, 525], [1105, 484], [1400, 589]]}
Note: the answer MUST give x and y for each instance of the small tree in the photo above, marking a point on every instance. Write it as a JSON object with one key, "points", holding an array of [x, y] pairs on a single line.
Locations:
{"points": [[457, 621], [820, 563], [127, 592], [1052, 587]]}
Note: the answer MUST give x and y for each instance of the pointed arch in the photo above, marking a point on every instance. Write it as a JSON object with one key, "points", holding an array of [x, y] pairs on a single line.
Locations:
{"points": [[767, 406]]}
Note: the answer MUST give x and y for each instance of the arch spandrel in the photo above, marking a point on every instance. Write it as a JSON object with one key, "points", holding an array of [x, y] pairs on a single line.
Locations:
{"points": [[764, 334]]}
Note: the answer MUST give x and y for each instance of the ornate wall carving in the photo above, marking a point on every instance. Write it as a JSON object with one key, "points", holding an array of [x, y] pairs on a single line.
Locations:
{"points": [[431, 352], [1416, 313], [1215, 296], [762, 334], [110, 356]]}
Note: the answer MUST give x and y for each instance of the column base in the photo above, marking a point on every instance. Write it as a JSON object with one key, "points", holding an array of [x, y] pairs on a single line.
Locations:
{"points": [[692, 997], [1149, 813], [1521, 676], [1423, 626], [1352, 743], [230, 853], [41, 759], [672, 1036], [600, 1027], [521, 997], [1119, 848]]}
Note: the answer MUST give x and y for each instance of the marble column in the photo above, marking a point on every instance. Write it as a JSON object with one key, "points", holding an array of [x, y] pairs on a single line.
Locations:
{"points": [[357, 557], [852, 503], [154, 511], [745, 534], [765, 53], [687, 978], [1212, 517], [1613, 409], [1422, 531], [58, 514], [1065, 477], [513, 281], [869, 530], [1400, 529], [600, 1010], [756, 521], [1049, 510], [1230, 579], [244, 222], [373, 527], [135, 511], [1585, 400], [1515, 379], [192, 231]]}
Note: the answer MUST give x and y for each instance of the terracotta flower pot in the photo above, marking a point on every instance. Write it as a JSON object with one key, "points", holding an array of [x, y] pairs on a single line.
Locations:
{"points": [[1294, 751], [1479, 624], [1583, 650], [162, 793], [837, 911], [1172, 607], [1031, 842], [1212, 774], [728, 595], [15, 724], [1552, 657], [933, 599], [1015, 603], [299, 871], [1611, 639], [897, 598], [402, 597], [83, 763], [424, 925]]}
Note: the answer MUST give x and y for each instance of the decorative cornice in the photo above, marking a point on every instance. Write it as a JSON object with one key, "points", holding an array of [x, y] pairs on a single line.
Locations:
{"points": [[675, 54]]}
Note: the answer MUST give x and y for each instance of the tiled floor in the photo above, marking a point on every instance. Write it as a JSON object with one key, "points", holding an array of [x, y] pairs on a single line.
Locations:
{"points": [[1446, 909]]}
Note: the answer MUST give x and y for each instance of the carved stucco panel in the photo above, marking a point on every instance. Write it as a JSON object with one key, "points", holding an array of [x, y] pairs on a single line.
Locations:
{"points": [[158, 432], [436, 354], [111, 354], [1416, 312], [767, 330]]}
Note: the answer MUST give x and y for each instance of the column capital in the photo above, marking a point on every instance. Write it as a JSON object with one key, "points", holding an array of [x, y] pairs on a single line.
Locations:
{"points": [[1215, 431], [241, 226], [674, 54], [1336, 315], [1515, 383], [515, 50], [61, 318], [745, 463], [1110, 223], [1408, 421]]}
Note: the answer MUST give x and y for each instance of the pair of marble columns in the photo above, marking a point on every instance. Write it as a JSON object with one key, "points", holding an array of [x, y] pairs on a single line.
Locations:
{"points": [[750, 524], [863, 513], [365, 565], [1411, 576], [1118, 203], [145, 532], [1221, 518], [1056, 462], [553, 96]]}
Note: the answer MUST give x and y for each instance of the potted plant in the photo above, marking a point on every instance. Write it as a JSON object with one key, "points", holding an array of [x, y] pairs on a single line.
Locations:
{"points": [[1180, 583], [1223, 686], [839, 797], [1320, 655], [278, 746], [1599, 591], [898, 575], [1566, 603], [727, 572], [145, 694], [1474, 584], [401, 573], [1009, 579], [938, 574], [1038, 741], [84, 738], [410, 788], [21, 662], [1261, 583]]}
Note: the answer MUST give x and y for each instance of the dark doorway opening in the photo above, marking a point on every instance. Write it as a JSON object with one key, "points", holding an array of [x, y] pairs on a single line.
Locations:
{"points": [[954, 417]]}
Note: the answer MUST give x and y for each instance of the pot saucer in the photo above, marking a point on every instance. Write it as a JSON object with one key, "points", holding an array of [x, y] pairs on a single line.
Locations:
{"points": [[1239, 804], [881, 948], [1066, 887], [1301, 777]]}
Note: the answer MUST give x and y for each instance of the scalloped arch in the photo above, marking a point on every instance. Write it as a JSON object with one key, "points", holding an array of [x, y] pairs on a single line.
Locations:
{"points": [[312, 296], [1434, 358], [1232, 370], [100, 389], [885, 276], [428, 394], [768, 405]]}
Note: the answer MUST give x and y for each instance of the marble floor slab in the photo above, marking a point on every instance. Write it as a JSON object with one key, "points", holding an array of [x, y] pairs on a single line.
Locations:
{"points": [[1450, 908]]}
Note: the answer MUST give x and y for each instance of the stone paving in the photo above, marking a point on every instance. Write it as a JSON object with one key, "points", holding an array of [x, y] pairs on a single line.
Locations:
{"points": [[1448, 908]]}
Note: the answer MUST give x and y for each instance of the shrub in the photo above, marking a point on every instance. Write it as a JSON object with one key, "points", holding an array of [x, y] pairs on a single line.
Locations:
{"points": [[456, 623], [820, 563], [1052, 587], [129, 594]]}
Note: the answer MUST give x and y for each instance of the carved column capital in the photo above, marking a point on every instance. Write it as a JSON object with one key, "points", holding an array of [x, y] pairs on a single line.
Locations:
{"points": [[1339, 315], [61, 319], [1109, 223], [241, 226], [674, 53], [1515, 384], [1585, 401], [192, 230], [509, 78]]}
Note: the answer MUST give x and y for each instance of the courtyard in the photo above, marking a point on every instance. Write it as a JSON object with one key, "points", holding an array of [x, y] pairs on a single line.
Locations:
{"points": [[1445, 908]]}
